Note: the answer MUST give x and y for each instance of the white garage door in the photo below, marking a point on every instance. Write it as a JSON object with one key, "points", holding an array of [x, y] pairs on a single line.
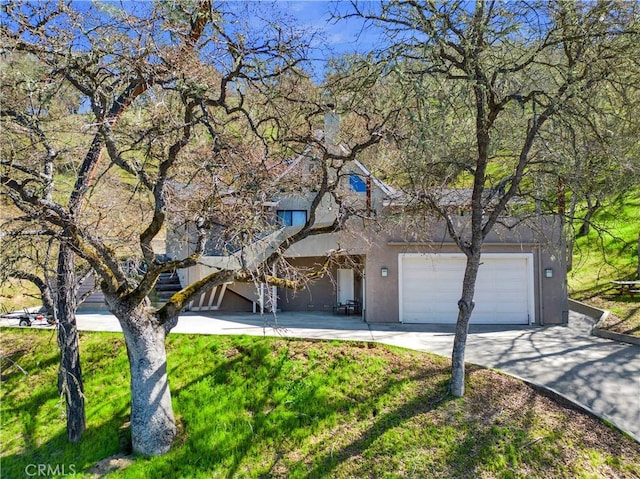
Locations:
{"points": [[431, 285]]}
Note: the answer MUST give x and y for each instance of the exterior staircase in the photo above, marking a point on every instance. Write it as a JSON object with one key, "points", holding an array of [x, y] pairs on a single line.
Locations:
{"points": [[168, 283], [95, 301], [250, 256]]}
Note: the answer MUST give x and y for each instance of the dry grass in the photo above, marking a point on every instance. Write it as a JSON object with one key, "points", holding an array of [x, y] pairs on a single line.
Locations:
{"points": [[625, 313]]}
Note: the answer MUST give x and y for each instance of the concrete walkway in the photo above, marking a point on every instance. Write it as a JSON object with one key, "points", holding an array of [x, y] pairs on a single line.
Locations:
{"points": [[601, 375]]}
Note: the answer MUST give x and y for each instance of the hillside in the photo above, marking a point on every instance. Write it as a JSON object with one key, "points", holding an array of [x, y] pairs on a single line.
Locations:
{"points": [[610, 252]]}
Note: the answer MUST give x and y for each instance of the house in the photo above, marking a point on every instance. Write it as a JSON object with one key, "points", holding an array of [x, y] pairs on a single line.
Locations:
{"points": [[393, 266]]}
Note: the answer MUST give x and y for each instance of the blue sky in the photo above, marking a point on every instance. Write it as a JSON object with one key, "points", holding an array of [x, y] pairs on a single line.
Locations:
{"points": [[338, 37], [343, 36]]}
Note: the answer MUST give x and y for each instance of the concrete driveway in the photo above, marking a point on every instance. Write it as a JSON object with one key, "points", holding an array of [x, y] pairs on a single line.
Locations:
{"points": [[601, 375]]}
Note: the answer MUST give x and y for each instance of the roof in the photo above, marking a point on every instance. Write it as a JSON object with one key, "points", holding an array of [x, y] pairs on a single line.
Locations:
{"points": [[364, 171], [448, 197], [386, 189]]}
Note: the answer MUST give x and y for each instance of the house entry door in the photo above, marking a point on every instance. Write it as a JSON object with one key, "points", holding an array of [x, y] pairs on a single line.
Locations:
{"points": [[345, 285]]}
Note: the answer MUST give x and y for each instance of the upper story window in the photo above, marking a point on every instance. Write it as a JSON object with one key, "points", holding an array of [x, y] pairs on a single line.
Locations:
{"points": [[292, 217], [357, 184]]}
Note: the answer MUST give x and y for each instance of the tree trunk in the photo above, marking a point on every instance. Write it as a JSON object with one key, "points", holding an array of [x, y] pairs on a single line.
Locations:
{"points": [[465, 308], [70, 373], [568, 229], [153, 427], [48, 302], [586, 221]]}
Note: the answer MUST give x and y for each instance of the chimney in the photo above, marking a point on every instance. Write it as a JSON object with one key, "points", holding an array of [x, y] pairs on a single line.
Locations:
{"points": [[331, 125]]}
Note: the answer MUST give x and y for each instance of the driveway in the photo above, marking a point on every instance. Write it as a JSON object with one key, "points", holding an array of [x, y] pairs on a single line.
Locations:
{"points": [[601, 375]]}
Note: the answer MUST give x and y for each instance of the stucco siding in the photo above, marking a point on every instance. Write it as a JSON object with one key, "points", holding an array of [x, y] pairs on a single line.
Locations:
{"points": [[383, 293], [380, 244], [319, 295], [381, 247]]}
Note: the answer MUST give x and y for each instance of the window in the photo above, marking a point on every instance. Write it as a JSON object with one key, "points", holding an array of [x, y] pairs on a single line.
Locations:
{"points": [[292, 217], [357, 184]]}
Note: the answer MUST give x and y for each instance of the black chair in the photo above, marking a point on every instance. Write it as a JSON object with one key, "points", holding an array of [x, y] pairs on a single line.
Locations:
{"points": [[354, 307], [341, 308]]}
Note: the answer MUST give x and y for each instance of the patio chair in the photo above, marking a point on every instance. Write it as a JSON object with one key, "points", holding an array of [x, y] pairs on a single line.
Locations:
{"points": [[341, 308]]}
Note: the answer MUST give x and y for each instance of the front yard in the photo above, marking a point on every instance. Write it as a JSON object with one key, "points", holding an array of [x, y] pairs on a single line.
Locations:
{"points": [[268, 407]]}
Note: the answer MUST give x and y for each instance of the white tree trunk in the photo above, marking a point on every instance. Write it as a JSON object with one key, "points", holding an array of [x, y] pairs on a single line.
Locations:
{"points": [[153, 427], [465, 308]]}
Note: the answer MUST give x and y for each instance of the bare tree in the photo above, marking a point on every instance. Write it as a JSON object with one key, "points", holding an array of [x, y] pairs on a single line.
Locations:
{"points": [[483, 82], [185, 111], [29, 253], [35, 256]]}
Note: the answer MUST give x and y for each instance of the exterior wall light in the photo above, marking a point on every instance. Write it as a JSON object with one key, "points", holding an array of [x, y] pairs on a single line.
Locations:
{"points": [[384, 272], [548, 273]]}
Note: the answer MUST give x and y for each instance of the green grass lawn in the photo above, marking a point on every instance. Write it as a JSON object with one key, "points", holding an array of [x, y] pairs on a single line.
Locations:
{"points": [[267, 407], [606, 254]]}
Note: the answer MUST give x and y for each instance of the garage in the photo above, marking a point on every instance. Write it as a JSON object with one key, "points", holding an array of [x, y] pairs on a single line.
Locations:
{"points": [[430, 286]]}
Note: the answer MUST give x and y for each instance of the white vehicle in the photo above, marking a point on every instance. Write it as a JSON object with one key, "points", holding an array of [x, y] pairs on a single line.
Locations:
{"points": [[26, 318]]}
